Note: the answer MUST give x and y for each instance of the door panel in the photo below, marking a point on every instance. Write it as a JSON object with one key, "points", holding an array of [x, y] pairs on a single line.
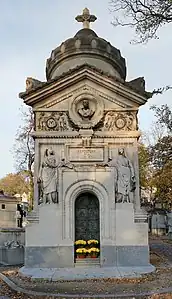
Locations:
{"points": [[87, 222]]}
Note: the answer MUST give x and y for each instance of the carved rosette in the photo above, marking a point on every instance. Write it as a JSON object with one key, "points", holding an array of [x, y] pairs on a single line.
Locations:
{"points": [[116, 121], [52, 121], [86, 110]]}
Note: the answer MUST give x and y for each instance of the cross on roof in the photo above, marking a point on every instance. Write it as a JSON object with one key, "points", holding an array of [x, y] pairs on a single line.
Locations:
{"points": [[86, 18]]}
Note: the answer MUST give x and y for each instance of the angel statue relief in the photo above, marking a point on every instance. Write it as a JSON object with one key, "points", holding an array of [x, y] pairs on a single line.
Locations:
{"points": [[48, 177]]}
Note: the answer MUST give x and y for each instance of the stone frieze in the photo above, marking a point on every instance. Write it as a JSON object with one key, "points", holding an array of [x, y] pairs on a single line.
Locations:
{"points": [[119, 120], [53, 121]]}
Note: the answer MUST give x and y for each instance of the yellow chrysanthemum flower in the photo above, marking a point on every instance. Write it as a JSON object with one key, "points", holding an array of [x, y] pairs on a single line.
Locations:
{"points": [[93, 250], [81, 250], [80, 242], [92, 242]]}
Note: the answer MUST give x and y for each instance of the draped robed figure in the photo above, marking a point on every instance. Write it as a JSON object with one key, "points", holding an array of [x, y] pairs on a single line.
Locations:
{"points": [[126, 182], [48, 177]]}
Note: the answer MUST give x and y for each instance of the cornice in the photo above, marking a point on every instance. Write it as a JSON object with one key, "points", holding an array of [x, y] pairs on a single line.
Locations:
{"points": [[118, 134], [76, 134], [116, 87], [74, 76]]}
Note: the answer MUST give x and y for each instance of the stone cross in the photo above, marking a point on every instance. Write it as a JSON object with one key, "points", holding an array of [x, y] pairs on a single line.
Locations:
{"points": [[86, 18]]}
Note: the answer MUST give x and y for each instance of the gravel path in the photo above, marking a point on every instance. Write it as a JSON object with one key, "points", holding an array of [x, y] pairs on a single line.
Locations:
{"points": [[1, 290], [164, 249]]}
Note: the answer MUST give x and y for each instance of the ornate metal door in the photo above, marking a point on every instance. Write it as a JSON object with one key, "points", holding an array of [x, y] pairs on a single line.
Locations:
{"points": [[87, 222]]}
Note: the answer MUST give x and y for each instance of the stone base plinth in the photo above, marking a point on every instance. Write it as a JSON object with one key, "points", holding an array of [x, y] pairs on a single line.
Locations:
{"points": [[49, 257], [84, 272], [63, 256], [12, 256]]}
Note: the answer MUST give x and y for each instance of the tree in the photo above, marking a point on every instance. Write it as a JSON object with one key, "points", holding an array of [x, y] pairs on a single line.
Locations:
{"points": [[161, 161], [156, 175], [154, 134], [164, 116], [146, 16], [24, 146], [16, 183], [161, 180], [143, 165], [161, 152]]}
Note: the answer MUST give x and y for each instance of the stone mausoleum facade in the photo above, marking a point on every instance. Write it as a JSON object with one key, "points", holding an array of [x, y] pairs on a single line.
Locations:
{"points": [[86, 176]]}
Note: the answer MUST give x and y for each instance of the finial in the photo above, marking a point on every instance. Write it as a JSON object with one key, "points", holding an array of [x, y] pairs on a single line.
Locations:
{"points": [[86, 18]]}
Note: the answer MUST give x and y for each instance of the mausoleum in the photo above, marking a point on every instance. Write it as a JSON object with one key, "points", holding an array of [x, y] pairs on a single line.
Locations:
{"points": [[86, 172], [8, 208]]}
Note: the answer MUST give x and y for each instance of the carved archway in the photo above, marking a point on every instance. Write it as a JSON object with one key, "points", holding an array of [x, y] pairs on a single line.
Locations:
{"points": [[70, 196]]}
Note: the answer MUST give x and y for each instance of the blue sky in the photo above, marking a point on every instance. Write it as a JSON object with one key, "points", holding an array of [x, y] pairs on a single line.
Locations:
{"points": [[30, 29]]}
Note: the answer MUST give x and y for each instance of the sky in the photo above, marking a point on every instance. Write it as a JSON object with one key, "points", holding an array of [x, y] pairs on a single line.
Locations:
{"points": [[31, 29]]}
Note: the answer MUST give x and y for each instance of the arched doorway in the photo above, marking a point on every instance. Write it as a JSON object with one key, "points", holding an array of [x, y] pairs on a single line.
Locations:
{"points": [[87, 219]]}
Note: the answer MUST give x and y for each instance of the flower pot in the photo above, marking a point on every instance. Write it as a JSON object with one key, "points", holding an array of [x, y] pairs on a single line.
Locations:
{"points": [[80, 256], [94, 256]]}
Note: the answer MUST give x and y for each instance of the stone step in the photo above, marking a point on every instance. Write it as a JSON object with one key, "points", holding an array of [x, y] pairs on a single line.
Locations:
{"points": [[87, 262]]}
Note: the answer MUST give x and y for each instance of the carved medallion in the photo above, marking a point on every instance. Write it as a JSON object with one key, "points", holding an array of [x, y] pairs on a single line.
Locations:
{"points": [[51, 123], [120, 122], [86, 110]]}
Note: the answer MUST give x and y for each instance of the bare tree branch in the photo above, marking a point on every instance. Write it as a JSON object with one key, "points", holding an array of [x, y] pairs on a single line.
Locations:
{"points": [[146, 16]]}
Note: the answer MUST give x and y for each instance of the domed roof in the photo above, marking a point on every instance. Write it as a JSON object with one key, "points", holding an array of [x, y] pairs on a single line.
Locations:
{"points": [[86, 47], [85, 32]]}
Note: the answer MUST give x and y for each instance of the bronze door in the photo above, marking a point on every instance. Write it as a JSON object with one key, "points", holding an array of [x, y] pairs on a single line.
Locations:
{"points": [[87, 222]]}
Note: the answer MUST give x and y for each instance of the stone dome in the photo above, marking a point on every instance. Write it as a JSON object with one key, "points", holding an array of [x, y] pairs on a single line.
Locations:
{"points": [[86, 48]]}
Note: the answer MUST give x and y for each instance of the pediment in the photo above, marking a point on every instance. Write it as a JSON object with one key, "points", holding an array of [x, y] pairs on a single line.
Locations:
{"points": [[61, 101], [59, 91], [85, 107]]}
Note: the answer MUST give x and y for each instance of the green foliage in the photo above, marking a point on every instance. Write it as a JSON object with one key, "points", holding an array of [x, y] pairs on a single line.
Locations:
{"points": [[161, 155], [155, 160], [161, 152], [143, 165], [162, 181]]}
